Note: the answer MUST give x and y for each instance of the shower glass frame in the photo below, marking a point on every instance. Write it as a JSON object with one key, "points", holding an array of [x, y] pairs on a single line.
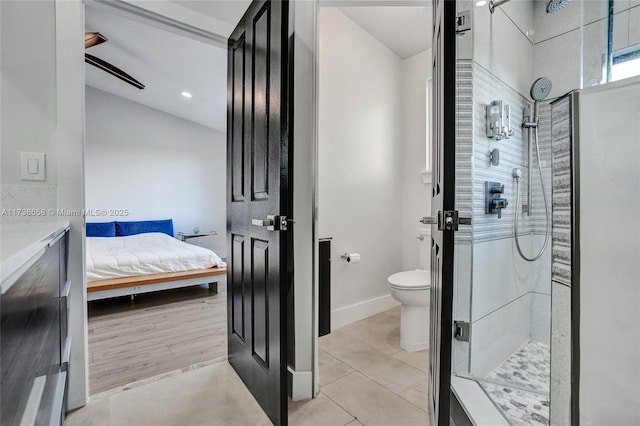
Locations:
{"points": [[582, 64]]}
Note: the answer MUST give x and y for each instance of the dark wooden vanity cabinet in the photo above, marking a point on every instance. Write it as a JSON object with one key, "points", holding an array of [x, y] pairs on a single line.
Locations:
{"points": [[33, 341]]}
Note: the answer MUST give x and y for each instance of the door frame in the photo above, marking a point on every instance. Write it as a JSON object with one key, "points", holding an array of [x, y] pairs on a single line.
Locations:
{"points": [[166, 17], [303, 41], [306, 27]]}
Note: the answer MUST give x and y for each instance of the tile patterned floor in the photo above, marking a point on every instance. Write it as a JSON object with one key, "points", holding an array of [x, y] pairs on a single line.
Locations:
{"points": [[527, 368], [211, 395], [367, 378], [520, 407]]}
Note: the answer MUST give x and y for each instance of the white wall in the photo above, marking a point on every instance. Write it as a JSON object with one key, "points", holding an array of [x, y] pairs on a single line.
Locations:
{"points": [[360, 158], [157, 165], [416, 195], [42, 111], [28, 102], [70, 121], [609, 255], [304, 365]]}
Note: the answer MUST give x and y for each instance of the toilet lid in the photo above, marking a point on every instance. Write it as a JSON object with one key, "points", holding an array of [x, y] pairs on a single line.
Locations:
{"points": [[418, 279]]}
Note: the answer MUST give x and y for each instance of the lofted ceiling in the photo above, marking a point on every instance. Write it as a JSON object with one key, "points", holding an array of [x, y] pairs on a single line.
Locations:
{"points": [[166, 63], [228, 11], [405, 30]]}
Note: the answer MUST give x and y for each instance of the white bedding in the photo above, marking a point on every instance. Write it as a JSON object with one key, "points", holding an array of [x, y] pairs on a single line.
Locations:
{"points": [[143, 254]]}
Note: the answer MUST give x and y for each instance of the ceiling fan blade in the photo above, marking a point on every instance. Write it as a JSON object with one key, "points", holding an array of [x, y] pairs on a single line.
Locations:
{"points": [[117, 72], [93, 39]]}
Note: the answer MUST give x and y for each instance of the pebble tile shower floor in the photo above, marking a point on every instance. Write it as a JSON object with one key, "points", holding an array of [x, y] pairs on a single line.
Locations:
{"points": [[523, 392]]}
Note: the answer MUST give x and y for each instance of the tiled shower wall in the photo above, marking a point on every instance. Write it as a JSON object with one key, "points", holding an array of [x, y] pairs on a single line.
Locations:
{"points": [[464, 205], [510, 298], [560, 383]]}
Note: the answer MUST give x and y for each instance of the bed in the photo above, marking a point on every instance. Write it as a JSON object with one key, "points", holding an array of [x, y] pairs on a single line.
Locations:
{"points": [[128, 258]]}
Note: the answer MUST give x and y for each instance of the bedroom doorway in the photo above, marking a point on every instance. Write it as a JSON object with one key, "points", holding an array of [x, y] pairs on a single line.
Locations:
{"points": [[155, 154]]}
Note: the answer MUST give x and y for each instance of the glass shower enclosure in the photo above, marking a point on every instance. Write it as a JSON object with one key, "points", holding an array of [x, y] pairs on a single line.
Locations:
{"points": [[515, 61]]}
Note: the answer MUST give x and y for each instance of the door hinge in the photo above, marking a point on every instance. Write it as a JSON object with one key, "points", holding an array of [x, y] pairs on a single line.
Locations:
{"points": [[462, 331], [448, 220], [463, 21]]}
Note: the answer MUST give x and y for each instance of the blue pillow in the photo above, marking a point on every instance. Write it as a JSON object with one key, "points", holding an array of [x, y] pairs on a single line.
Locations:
{"points": [[144, 226], [101, 229]]}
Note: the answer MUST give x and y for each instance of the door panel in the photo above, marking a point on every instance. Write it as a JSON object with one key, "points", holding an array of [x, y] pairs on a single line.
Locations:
{"points": [[257, 180], [443, 192], [237, 285], [260, 300], [236, 130], [260, 114]]}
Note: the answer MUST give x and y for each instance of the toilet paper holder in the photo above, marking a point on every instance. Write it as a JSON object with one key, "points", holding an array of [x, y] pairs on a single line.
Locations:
{"points": [[349, 257]]}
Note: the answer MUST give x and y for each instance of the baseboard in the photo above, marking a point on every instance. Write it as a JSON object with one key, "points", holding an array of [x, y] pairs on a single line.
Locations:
{"points": [[300, 384], [358, 311]]}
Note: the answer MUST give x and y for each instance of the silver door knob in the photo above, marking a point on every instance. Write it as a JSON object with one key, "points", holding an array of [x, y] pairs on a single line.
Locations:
{"points": [[262, 222], [272, 222]]}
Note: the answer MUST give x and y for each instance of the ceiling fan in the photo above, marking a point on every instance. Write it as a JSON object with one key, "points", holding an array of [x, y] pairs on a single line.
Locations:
{"points": [[93, 39]]}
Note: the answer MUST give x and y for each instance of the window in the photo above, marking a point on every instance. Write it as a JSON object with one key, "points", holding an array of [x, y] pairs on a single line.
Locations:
{"points": [[626, 63]]}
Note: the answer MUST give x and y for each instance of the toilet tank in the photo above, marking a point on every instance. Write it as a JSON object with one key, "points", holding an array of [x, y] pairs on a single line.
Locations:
{"points": [[425, 248]]}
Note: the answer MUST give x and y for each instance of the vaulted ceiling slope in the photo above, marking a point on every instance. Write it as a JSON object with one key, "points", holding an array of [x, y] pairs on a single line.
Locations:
{"points": [[166, 63], [228, 11], [405, 30]]}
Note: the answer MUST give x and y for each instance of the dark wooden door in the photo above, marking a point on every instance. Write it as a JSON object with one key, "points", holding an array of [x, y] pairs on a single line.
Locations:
{"points": [[257, 188], [443, 199]]}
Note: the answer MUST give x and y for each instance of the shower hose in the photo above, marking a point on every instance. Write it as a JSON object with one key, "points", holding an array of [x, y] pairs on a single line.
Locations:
{"points": [[546, 208]]}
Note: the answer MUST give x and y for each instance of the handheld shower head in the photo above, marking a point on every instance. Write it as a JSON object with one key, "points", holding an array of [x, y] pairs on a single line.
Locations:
{"points": [[555, 5], [540, 89]]}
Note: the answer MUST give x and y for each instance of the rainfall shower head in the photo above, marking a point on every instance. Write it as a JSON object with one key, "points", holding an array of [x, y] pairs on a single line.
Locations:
{"points": [[540, 89], [555, 5], [552, 5]]}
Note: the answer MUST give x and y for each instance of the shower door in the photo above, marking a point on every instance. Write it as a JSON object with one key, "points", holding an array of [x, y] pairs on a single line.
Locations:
{"points": [[442, 208]]}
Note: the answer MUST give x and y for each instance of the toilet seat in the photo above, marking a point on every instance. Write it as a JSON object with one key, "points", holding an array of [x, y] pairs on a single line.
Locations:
{"points": [[410, 280]]}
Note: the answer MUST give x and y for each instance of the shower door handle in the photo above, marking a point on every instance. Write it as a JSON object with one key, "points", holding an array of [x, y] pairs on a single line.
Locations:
{"points": [[429, 220]]}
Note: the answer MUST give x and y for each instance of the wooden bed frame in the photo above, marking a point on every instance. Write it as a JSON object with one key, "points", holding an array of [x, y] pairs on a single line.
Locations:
{"points": [[114, 287]]}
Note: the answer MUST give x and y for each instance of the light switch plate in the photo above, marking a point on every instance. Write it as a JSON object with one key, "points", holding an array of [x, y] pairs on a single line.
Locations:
{"points": [[32, 166]]}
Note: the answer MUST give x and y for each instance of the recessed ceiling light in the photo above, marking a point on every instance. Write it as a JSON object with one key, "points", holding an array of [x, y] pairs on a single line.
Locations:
{"points": [[186, 94], [481, 3]]}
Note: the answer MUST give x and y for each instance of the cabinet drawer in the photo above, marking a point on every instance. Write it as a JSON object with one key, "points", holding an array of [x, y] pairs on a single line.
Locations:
{"points": [[30, 329], [63, 249]]}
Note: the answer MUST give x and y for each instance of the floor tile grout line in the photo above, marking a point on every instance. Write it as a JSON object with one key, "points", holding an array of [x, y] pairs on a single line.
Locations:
{"points": [[414, 404], [338, 404], [381, 384], [410, 365], [338, 378]]}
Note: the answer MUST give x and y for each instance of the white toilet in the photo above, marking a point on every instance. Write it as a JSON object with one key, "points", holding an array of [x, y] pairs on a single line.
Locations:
{"points": [[412, 289]]}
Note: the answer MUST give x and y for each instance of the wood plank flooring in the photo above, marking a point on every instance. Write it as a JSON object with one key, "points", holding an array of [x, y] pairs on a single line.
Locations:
{"points": [[157, 333]]}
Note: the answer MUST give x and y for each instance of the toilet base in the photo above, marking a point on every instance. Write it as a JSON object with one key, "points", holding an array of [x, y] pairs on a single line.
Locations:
{"points": [[414, 328]]}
